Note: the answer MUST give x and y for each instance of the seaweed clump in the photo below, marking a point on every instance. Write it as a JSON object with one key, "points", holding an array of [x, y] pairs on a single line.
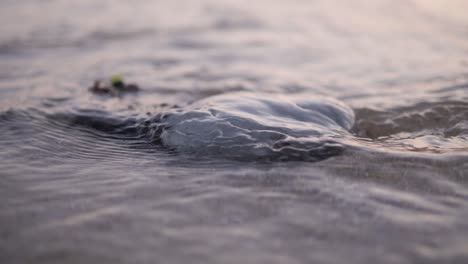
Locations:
{"points": [[116, 86]]}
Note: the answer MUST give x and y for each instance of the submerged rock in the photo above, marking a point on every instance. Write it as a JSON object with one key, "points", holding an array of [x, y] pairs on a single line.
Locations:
{"points": [[115, 87]]}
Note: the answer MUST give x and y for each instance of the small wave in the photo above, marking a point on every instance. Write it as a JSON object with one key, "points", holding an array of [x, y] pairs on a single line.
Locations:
{"points": [[432, 127], [240, 126], [80, 135], [257, 127]]}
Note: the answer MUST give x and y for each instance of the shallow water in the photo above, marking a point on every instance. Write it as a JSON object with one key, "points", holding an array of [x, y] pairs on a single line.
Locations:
{"points": [[88, 178]]}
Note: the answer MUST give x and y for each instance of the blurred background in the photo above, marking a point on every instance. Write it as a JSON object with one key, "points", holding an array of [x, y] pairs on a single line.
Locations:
{"points": [[352, 50]]}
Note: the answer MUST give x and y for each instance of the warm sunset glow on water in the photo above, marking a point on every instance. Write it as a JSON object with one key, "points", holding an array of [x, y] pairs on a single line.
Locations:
{"points": [[234, 131]]}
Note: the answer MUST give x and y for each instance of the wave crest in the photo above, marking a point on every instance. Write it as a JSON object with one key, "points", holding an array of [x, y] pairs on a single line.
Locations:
{"points": [[252, 127]]}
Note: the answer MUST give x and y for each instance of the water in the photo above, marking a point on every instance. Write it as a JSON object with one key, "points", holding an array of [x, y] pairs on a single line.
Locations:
{"points": [[91, 178], [247, 126]]}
